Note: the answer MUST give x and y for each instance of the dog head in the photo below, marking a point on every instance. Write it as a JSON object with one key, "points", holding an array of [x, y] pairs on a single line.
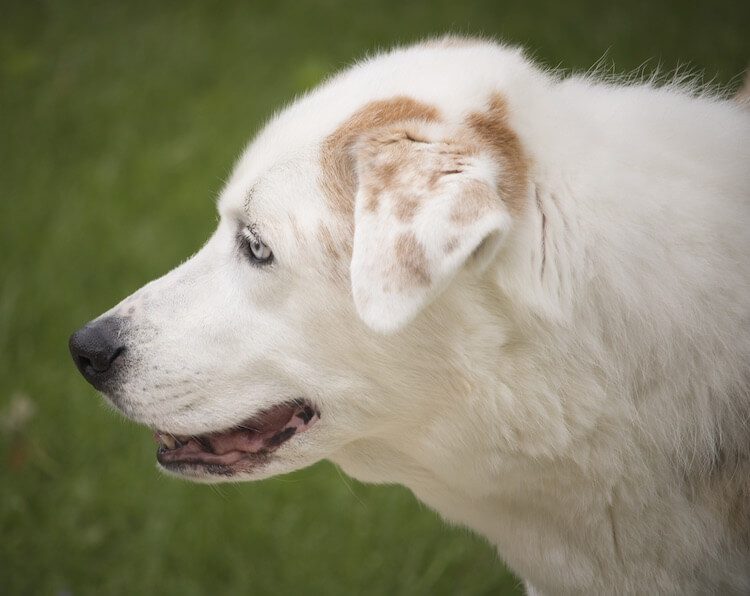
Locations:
{"points": [[334, 299]]}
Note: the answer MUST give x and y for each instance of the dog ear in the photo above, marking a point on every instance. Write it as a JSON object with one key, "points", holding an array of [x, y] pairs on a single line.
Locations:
{"points": [[427, 203]]}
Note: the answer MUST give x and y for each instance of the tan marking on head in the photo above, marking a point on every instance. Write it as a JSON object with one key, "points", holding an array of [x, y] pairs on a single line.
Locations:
{"points": [[492, 129], [412, 269], [475, 200], [338, 178], [327, 242], [334, 244]]}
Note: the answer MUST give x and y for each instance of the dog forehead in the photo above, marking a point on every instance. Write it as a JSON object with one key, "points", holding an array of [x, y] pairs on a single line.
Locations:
{"points": [[307, 139], [254, 191]]}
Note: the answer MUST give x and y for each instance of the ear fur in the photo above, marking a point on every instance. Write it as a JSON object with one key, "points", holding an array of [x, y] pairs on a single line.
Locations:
{"points": [[427, 198]]}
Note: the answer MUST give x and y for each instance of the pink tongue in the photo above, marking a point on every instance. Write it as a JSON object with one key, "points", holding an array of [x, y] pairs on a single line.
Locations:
{"points": [[270, 430], [193, 449], [237, 441]]}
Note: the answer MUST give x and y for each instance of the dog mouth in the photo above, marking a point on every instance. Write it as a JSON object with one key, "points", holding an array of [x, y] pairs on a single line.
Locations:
{"points": [[237, 449]]}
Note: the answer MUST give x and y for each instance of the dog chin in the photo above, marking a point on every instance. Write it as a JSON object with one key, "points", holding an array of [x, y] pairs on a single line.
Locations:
{"points": [[276, 465]]}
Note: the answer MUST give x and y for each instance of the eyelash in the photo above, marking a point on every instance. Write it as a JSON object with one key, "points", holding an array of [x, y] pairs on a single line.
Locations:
{"points": [[248, 236]]}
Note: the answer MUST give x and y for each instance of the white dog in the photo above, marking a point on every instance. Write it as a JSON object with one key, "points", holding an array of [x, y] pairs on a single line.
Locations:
{"points": [[526, 297]]}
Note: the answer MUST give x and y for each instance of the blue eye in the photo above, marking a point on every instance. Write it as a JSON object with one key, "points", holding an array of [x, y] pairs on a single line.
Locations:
{"points": [[254, 247]]}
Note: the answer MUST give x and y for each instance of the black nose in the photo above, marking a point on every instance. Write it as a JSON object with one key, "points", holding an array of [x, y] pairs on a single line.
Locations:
{"points": [[95, 349]]}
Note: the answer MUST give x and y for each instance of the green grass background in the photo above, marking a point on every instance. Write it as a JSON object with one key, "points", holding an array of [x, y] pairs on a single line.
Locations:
{"points": [[118, 122]]}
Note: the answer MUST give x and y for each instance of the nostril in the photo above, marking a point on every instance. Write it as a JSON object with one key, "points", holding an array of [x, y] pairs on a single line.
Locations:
{"points": [[98, 365], [115, 355], [101, 361], [83, 362]]}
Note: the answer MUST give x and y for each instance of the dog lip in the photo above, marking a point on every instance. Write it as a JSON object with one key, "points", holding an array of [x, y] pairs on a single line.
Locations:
{"points": [[238, 448]]}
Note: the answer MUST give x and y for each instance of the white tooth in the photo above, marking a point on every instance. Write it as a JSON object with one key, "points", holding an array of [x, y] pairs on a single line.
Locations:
{"points": [[168, 441]]}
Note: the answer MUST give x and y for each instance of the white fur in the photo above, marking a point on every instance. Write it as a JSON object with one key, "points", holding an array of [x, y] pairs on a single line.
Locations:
{"points": [[586, 410]]}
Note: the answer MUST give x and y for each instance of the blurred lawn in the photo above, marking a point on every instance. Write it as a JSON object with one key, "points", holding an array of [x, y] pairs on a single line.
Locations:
{"points": [[119, 122]]}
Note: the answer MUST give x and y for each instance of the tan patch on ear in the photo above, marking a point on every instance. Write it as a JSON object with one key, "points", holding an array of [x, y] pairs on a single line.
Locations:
{"points": [[401, 164], [492, 129], [475, 200], [412, 269], [451, 245], [387, 173], [406, 207], [338, 178], [385, 156]]}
